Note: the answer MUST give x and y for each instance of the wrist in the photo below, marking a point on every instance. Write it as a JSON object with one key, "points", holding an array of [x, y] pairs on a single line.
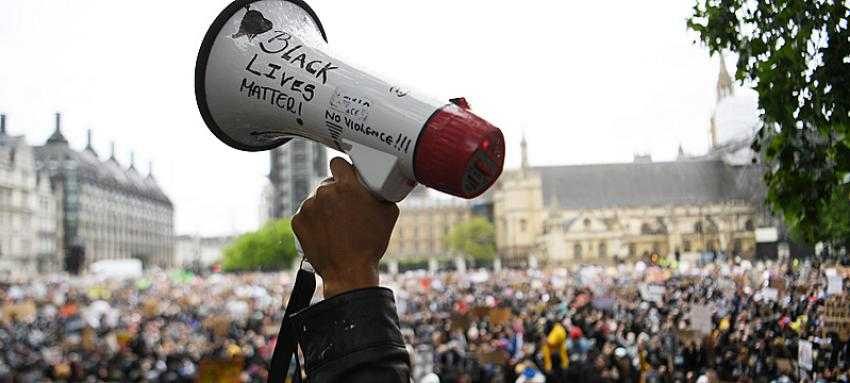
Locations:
{"points": [[352, 278]]}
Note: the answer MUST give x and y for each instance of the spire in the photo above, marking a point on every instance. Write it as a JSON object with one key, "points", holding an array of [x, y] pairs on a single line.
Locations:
{"points": [[724, 81], [112, 151], [2, 124], [150, 169], [524, 147], [132, 161], [89, 146], [57, 136]]}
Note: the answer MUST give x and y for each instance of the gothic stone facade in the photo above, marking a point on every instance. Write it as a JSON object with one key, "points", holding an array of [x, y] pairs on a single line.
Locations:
{"points": [[29, 217], [597, 213], [423, 225], [111, 211]]}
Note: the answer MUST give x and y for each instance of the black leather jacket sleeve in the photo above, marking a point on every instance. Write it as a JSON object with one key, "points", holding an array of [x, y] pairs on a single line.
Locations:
{"points": [[353, 337]]}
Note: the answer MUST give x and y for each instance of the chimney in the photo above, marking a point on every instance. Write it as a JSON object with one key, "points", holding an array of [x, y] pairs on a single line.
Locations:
{"points": [[132, 160], [2, 124], [150, 168], [89, 146], [58, 121], [112, 150]]}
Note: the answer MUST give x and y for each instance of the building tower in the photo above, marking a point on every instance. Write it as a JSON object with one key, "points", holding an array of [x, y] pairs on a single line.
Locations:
{"points": [[296, 168], [724, 89], [524, 148]]}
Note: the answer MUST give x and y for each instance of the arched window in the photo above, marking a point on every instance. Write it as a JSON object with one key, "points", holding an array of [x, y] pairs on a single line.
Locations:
{"points": [[749, 225], [603, 250], [587, 223], [577, 251], [523, 225], [645, 228], [632, 250]]}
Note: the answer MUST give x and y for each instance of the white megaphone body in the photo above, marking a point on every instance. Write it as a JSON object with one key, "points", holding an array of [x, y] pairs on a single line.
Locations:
{"points": [[264, 75]]}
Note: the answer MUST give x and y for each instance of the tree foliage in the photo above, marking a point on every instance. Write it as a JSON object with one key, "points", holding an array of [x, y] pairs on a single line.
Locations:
{"points": [[272, 247], [797, 55], [475, 238]]}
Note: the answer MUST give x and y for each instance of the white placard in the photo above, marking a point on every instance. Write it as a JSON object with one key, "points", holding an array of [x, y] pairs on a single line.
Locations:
{"points": [[835, 285], [767, 234], [804, 355]]}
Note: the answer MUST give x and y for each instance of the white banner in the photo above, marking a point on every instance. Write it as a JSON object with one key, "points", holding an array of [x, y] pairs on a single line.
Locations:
{"points": [[804, 355]]}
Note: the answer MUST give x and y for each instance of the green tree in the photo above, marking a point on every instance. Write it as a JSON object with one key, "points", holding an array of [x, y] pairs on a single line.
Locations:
{"points": [[796, 53], [272, 247], [475, 238]]}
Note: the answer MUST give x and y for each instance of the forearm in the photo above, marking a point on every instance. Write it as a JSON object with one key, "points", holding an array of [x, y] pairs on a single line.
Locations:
{"points": [[353, 337]]}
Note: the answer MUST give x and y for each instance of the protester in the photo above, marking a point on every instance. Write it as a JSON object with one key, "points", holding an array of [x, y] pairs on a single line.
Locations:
{"points": [[474, 327]]}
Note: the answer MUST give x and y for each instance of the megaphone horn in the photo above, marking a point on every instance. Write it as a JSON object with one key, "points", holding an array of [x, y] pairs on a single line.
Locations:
{"points": [[264, 75]]}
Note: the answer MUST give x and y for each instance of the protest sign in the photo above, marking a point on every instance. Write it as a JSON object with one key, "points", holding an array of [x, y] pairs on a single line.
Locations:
{"points": [[215, 371], [835, 284], [150, 307], [218, 324], [500, 316], [21, 312], [804, 354], [497, 357], [837, 316]]}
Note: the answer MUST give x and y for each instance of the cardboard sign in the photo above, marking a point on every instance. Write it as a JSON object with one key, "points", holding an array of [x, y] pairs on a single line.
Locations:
{"points": [[498, 357], [500, 316], [214, 371], [21, 312], [150, 308], [837, 316], [804, 354], [218, 324], [480, 311]]}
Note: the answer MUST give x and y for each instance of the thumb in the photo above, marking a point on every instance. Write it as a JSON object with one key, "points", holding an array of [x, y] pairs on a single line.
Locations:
{"points": [[342, 171]]}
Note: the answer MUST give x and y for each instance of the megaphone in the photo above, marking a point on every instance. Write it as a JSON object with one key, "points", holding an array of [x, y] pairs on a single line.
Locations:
{"points": [[265, 74]]}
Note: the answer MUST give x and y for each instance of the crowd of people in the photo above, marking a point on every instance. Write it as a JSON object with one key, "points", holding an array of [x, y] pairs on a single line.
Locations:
{"points": [[637, 322]]}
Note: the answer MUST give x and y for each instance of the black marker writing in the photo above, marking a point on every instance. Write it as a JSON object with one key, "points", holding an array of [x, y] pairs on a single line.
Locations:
{"points": [[305, 89], [297, 55], [271, 95]]}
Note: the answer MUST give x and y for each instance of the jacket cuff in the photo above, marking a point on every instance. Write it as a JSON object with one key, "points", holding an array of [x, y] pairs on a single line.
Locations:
{"points": [[348, 329]]}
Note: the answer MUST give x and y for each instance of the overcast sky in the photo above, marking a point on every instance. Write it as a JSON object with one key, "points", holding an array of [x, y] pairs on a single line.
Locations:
{"points": [[591, 81]]}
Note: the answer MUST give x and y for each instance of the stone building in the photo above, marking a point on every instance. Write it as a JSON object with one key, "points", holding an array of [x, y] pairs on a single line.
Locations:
{"points": [[28, 211], [423, 225], [296, 168], [108, 211], [600, 212]]}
